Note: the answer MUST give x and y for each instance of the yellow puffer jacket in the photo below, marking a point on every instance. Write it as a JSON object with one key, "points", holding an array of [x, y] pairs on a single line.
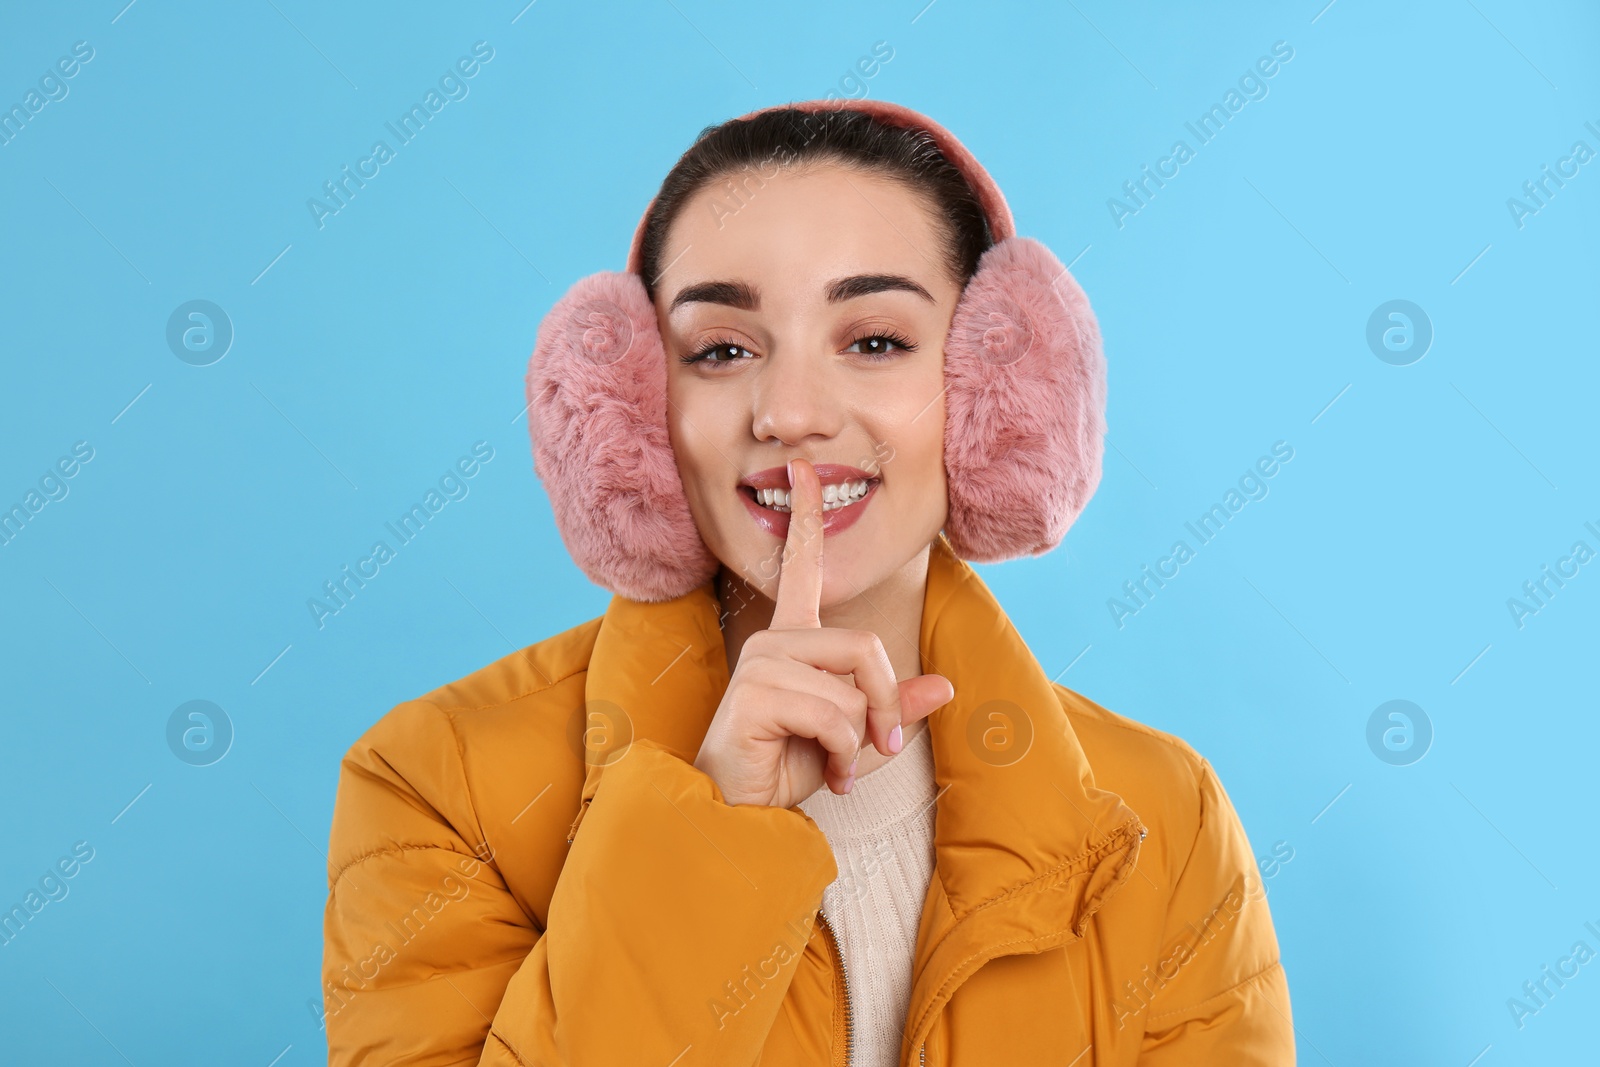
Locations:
{"points": [[497, 897]]}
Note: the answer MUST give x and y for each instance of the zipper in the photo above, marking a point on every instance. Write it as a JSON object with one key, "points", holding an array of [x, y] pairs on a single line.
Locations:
{"points": [[844, 974]]}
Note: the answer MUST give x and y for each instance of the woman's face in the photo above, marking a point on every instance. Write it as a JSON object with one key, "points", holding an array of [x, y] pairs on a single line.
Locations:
{"points": [[803, 304]]}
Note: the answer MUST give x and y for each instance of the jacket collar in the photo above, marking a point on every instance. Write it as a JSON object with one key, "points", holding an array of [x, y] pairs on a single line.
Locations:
{"points": [[1018, 810]]}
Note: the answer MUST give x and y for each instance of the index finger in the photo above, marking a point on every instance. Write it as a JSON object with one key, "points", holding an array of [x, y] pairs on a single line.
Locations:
{"points": [[799, 598]]}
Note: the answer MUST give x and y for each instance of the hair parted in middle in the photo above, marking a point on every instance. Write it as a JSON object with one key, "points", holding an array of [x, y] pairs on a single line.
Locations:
{"points": [[743, 154]]}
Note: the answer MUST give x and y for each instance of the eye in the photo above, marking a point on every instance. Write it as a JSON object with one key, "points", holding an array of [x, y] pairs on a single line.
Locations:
{"points": [[878, 344], [711, 352]]}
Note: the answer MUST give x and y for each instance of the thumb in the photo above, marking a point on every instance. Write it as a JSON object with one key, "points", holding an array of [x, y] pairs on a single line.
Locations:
{"points": [[923, 695]]}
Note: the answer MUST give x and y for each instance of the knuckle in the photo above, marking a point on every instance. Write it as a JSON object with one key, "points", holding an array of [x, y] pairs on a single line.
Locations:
{"points": [[840, 729], [869, 648], [854, 736]]}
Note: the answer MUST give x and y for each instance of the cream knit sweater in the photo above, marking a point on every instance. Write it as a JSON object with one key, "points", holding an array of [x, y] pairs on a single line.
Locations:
{"points": [[881, 833]]}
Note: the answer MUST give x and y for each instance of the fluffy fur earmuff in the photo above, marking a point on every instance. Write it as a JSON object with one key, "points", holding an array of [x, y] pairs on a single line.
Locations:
{"points": [[1025, 395], [597, 396]]}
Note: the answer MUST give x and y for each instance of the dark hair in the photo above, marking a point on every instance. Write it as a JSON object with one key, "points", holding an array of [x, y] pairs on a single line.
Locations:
{"points": [[787, 136]]}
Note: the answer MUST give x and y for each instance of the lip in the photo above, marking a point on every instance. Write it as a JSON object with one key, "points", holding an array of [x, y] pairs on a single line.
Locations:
{"points": [[833, 522]]}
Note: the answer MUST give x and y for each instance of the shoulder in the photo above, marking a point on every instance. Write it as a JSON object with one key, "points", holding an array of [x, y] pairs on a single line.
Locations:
{"points": [[1173, 788], [501, 701], [477, 763], [527, 672], [1199, 874], [1151, 768]]}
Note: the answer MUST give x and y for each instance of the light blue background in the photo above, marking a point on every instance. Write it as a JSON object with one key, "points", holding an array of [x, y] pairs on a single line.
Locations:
{"points": [[371, 353]]}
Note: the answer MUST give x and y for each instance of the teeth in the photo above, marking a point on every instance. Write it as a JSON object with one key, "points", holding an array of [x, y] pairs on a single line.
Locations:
{"points": [[833, 496]]}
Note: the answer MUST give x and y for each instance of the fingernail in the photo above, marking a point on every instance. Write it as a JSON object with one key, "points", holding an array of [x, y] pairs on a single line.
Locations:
{"points": [[895, 740], [853, 766], [790, 468], [849, 783]]}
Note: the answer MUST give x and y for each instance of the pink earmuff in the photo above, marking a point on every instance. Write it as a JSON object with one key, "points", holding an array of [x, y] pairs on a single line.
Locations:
{"points": [[1024, 407]]}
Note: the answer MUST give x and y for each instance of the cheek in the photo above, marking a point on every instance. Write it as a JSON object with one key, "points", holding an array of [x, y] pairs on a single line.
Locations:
{"points": [[914, 430], [693, 428], [929, 444]]}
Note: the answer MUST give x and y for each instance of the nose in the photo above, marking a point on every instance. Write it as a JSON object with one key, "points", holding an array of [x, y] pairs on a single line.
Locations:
{"points": [[795, 397]]}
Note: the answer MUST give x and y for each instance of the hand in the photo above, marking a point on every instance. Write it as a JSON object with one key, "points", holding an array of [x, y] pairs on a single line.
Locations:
{"points": [[789, 722]]}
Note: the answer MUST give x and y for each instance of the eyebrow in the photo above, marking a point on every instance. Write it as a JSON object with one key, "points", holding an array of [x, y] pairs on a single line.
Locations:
{"points": [[746, 297]]}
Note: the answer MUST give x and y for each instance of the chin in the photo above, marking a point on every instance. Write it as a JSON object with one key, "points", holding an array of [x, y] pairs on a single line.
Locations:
{"points": [[852, 563]]}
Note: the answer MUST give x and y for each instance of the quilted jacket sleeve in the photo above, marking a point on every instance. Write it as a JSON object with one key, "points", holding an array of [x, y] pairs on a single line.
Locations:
{"points": [[1218, 994], [667, 905]]}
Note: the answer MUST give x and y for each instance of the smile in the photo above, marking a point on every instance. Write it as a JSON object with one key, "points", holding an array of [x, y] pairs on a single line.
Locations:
{"points": [[846, 492], [833, 496]]}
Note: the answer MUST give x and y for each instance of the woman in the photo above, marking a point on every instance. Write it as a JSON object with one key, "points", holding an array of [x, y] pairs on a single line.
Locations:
{"points": [[831, 374]]}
